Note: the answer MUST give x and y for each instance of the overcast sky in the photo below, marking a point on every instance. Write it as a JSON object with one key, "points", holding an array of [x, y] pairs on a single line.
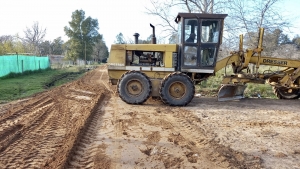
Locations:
{"points": [[114, 16]]}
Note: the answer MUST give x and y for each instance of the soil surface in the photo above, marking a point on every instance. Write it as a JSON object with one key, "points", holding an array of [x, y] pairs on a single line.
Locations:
{"points": [[84, 124]]}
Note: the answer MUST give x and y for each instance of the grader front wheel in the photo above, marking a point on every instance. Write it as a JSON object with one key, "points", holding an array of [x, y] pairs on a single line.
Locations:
{"points": [[177, 89], [134, 87], [284, 93]]}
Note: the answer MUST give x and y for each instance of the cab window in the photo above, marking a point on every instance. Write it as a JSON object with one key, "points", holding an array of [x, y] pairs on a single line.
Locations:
{"points": [[208, 56], [210, 31], [190, 30], [190, 56]]}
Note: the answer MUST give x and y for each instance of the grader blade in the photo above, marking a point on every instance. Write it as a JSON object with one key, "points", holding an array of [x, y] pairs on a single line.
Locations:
{"points": [[231, 92]]}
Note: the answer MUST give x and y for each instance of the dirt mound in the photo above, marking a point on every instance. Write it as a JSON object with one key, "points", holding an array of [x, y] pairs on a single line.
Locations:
{"points": [[41, 131]]}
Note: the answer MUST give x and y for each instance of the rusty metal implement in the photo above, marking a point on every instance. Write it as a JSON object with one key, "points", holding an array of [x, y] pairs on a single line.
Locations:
{"points": [[231, 92]]}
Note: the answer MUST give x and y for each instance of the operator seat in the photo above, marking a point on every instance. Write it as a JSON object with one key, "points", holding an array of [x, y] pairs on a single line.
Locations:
{"points": [[191, 38]]}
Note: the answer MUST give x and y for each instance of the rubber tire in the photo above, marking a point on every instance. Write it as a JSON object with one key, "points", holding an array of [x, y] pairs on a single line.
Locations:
{"points": [[126, 96], [281, 95], [166, 84]]}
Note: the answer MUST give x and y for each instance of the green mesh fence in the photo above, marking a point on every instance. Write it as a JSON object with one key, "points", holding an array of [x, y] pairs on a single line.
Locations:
{"points": [[21, 63]]}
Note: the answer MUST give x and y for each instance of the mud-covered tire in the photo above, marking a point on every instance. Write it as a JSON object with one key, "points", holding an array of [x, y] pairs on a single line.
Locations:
{"points": [[134, 87], [177, 89], [282, 93]]}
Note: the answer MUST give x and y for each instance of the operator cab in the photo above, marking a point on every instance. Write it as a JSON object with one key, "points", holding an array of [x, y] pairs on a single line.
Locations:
{"points": [[199, 39]]}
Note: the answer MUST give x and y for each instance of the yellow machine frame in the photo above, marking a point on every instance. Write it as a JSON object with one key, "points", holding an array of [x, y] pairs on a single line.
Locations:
{"points": [[240, 60], [117, 62]]}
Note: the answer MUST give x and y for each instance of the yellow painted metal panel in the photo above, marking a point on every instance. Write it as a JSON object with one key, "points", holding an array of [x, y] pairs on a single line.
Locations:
{"points": [[226, 61], [117, 47], [116, 74], [117, 56], [264, 60], [168, 59], [152, 47], [118, 52]]}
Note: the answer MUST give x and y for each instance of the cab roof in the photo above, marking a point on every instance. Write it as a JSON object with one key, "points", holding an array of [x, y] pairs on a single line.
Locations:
{"points": [[199, 15]]}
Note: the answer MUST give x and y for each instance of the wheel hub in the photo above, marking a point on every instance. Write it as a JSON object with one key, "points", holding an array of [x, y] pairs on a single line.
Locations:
{"points": [[177, 90], [134, 87]]}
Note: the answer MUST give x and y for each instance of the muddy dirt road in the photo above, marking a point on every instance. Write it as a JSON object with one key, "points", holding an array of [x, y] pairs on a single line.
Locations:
{"points": [[84, 124]]}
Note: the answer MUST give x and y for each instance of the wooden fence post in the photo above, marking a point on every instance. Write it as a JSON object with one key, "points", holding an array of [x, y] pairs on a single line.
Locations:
{"points": [[22, 65]]}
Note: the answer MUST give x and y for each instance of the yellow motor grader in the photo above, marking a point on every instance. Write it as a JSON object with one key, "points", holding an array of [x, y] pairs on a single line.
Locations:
{"points": [[170, 71]]}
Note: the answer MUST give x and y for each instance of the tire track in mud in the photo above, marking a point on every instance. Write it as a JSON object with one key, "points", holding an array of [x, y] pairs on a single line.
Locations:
{"points": [[15, 126], [4, 107], [18, 111], [86, 88], [198, 145], [86, 151], [17, 149], [190, 127], [147, 136], [271, 135], [83, 153], [39, 132]]}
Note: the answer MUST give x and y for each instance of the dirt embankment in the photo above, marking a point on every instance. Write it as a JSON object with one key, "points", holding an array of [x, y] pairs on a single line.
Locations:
{"points": [[40, 132], [84, 124]]}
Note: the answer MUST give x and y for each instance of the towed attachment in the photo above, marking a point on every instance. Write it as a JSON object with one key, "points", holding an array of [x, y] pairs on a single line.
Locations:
{"points": [[231, 92]]}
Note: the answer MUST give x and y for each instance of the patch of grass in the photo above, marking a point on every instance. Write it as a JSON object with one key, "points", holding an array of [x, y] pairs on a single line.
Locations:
{"points": [[211, 85], [264, 90], [28, 72], [16, 86]]}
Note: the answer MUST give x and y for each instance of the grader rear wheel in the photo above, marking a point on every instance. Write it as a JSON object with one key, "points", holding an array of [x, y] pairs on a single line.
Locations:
{"points": [[177, 89], [284, 93], [134, 87]]}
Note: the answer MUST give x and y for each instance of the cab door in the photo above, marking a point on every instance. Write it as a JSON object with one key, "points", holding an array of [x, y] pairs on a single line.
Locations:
{"points": [[200, 44], [209, 42], [190, 44]]}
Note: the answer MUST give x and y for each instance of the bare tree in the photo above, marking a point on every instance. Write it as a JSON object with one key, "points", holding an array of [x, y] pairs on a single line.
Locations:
{"points": [[5, 38], [167, 10], [11, 44], [6, 44], [289, 51], [34, 36], [244, 16], [247, 16]]}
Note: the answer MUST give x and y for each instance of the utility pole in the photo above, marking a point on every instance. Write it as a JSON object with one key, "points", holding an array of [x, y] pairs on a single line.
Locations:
{"points": [[85, 53]]}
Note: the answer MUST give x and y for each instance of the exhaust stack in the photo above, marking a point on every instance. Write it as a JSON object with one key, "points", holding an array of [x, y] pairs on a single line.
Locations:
{"points": [[136, 38], [153, 39]]}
